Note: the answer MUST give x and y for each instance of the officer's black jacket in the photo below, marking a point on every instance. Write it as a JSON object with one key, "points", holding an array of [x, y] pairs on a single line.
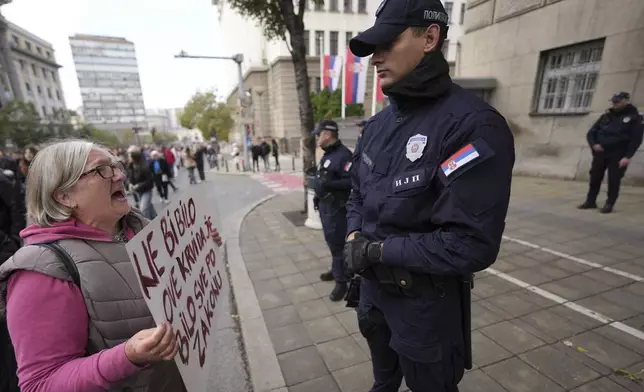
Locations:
{"points": [[618, 131], [333, 171], [430, 221]]}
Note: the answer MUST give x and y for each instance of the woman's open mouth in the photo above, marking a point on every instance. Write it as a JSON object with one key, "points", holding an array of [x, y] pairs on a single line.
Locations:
{"points": [[119, 195]]}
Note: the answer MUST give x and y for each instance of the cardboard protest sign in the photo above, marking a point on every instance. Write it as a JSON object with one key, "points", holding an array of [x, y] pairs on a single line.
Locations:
{"points": [[182, 278]]}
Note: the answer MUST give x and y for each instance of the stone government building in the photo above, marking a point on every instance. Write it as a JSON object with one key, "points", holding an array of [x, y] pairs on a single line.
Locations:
{"points": [[556, 64]]}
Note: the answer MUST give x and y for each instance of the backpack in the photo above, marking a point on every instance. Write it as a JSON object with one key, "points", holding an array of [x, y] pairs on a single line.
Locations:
{"points": [[8, 365]]}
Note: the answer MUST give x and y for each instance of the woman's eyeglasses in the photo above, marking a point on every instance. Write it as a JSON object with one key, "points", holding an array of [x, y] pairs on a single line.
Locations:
{"points": [[106, 171]]}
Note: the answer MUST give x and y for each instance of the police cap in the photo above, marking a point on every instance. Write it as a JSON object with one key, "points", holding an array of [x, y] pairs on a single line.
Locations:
{"points": [[395, 16], [326, 125], [619, 96]]}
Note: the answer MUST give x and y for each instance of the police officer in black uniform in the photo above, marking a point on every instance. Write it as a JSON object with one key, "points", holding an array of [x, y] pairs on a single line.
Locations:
{"points": [[332, 184], [431, 188], [613, 140]]}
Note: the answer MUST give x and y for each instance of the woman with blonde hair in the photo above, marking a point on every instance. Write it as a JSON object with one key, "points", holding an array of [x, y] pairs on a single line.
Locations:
{"points": [[74, 309]]}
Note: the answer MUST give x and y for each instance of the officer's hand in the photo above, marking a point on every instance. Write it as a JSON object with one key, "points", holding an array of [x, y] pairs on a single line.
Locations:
{"points": [[355, 254], [598, 147], [352, 235], [316, 203], [624, 162]]}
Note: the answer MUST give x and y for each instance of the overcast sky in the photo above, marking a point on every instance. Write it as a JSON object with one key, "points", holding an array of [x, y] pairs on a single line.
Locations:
{"points": [[158, 28]]}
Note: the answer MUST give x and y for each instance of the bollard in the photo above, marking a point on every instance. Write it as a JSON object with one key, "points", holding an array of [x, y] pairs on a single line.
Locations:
{"points": [[293, 162], [226, 164]]}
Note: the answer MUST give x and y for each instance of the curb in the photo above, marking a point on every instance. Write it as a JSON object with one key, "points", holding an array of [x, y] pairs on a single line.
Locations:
{"points": [[265, 372]]}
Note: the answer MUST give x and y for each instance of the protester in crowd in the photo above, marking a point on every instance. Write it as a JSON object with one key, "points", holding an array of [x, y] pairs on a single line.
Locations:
{"points": [[256, 152], [199, 159], [29, 153], [141, 183], [275, 150], [266, 151], [170, 160], [190, 164], [8, 163], [105, 338], [161, 171]]}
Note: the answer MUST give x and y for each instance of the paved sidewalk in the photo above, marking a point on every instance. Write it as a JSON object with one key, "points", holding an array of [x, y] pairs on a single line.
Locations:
{"points": [[562, 309]]}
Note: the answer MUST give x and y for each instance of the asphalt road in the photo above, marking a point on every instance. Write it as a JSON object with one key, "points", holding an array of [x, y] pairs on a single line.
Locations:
{"points": [[230, 193]]}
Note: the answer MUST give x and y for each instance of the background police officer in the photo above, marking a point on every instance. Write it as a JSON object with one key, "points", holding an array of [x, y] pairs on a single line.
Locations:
{"points": [[431, 188], [613, 140], [332, 185]]}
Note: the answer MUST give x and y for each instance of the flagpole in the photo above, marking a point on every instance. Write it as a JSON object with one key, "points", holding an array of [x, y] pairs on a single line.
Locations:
{"points": [[344, 87], [321, 43], [374, 91]]}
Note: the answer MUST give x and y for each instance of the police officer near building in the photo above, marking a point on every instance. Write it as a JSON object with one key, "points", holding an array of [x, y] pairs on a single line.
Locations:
{"points": [[431, 188], [332, 184], [613, 140]]}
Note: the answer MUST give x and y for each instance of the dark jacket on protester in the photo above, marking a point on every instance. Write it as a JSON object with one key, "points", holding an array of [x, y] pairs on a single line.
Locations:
{"points": [[12, 216], [141, 177]]}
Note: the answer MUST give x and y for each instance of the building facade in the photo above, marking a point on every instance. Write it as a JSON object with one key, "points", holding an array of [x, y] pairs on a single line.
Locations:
{"points": [[271, 105], [35, 72], [556, 63], [108, 77], [163, 120]]}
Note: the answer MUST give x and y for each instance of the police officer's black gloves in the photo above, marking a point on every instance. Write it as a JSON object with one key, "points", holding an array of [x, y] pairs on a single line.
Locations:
{"points": [[316, 203], [360, 254]]}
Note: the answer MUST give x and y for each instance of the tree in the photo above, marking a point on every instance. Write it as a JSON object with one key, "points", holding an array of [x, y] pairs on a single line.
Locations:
{"points": [[281, 20], [206, 114], [20, 122], [59, 125], [328, 105]]}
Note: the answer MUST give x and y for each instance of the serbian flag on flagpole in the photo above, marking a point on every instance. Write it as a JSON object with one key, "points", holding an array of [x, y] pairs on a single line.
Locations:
{"points": [[380, 97], [332, 70], [355, 79]]}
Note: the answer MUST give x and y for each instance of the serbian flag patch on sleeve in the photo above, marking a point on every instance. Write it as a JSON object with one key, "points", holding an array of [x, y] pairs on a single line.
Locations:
{"points": [[461, 158], [347, 166]]}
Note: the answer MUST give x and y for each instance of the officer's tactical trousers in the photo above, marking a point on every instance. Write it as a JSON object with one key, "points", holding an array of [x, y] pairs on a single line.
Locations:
{"points": [[334, 225], [602, 162]]}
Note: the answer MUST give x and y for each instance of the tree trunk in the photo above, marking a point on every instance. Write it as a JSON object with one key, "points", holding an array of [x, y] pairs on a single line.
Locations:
{"points": [[295, 27]]}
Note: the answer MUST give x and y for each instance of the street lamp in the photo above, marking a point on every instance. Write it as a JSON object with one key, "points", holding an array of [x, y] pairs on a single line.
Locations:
{"points": [[239, 59]]}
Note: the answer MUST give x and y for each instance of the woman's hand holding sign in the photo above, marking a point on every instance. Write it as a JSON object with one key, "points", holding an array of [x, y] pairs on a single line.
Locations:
{"points": [[151, 345], [214, 234]]}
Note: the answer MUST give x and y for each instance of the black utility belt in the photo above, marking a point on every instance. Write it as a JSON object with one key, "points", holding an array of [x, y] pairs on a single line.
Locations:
{"points": [[401, 282]]}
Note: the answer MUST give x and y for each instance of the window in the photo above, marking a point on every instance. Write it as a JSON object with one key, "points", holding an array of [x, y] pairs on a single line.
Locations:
{"points": [[333, 43], [448, 9], [318, 82], [16, 39], [39, 89], [307, 40], [58, 94], [319, 6], [39, 50], [319, 42], [53, 76], [362, 6], [49, 93], [22, 64], [28, 87], [347, 37], [33, 69], [28, 44], [333, 5], [348, 5], [48, 54], [44, 73], [44, 111], [445, 48], [462, 18], [568, 78]]}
